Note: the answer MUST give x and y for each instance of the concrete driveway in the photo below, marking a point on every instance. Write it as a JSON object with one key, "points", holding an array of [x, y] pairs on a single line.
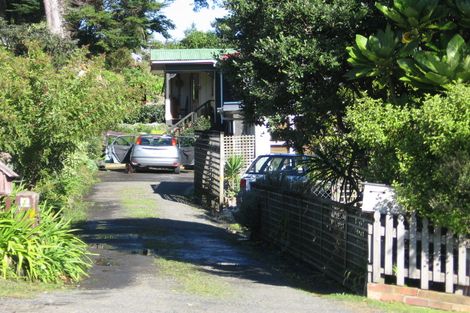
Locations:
{"points": [[155, 252]]}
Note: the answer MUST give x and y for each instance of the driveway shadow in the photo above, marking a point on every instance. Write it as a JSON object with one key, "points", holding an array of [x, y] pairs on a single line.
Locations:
{"points": [[180, 192], [212, 248]]}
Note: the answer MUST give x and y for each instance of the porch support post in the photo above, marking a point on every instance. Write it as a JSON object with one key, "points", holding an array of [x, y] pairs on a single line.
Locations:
{"points": [[168, 116]]}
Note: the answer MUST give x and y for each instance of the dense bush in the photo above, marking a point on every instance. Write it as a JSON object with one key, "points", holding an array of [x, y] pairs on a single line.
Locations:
{"points": [[147, 114], [48, 252], [424, 151], [66, 188], [142, 128], [47, 112]]}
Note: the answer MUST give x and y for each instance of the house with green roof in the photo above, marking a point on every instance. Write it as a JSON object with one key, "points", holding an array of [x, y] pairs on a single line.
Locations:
{"points": [[194, 86]]}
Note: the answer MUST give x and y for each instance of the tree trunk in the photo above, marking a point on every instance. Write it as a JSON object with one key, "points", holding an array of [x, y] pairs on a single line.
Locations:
{"points": [[55, 16]]}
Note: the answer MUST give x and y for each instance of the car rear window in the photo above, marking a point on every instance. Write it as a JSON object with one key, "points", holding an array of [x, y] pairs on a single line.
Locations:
{"points": [[156, 141], [294, 165]]}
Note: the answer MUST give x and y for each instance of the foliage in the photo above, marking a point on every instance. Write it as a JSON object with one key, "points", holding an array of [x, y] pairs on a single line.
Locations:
{"points": [[423, 151], [48, 252], [142, 128], [149, 85], [65, 189], [49, 111], [415, 141], [196, 39], [427, 42], [428, 69], [105, 26], [233, 167], [23, 11], [289, 70], [17, 38], [148, 114], [202, 123]]}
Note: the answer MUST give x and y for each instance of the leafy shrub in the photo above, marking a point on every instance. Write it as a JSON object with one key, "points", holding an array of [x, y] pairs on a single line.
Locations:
{"points": [[423, 151], [16, 38], [148, 114], [48, 252], [142, 128], [202, 123], [47, 112], [64, 190]]}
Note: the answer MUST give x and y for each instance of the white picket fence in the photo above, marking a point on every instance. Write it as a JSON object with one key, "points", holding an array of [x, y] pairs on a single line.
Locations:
{"points": [[408, 248]]}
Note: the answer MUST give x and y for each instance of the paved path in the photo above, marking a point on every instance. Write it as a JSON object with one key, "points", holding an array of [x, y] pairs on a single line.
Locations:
{"points": [[166, 256]]}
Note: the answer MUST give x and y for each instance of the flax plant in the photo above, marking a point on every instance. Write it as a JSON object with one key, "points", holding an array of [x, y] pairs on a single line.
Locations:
{"points": [[47, 252]]}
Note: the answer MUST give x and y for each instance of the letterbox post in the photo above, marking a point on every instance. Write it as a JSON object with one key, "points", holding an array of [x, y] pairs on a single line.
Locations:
{"points": [[28, 201]]}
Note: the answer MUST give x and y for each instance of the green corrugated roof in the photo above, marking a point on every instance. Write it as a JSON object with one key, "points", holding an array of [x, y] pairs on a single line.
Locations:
{"points": [[186, 54]]}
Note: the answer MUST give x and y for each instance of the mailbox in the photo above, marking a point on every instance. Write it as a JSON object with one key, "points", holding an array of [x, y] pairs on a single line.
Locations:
{"points": [[28, 201], [378, 197], [7, 176]]}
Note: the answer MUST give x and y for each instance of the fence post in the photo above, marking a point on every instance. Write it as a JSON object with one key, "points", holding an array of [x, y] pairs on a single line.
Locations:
{"points": [[436, 258], [388, 244], [376, 248], [413, 273], [462, 267], [449, 262], [425, 254], [401, 250], [222, 168]]}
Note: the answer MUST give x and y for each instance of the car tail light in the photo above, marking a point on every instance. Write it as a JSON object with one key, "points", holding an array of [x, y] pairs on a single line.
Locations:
{"points": [[139, 141], [243, 184], [173, 141]]}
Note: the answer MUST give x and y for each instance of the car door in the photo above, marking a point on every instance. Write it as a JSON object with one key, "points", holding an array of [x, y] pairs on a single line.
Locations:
{"points": [[121, 147]]}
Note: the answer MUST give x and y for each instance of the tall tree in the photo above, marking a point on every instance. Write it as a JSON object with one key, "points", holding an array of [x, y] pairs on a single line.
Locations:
{"points": [[290, 70], [108, 25]]}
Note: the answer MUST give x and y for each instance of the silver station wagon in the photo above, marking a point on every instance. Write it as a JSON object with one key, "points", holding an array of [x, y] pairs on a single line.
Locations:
{"points": [[144, 151], [157, 151]]}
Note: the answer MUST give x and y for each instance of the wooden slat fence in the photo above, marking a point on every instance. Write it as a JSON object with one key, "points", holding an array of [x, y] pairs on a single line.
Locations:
{"points": [[328, 235], [411, 248], [209, 169], [211, 150]]}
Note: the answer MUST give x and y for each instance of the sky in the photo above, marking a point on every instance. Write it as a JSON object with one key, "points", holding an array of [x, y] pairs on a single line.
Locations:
{"points": [[182, 14]]}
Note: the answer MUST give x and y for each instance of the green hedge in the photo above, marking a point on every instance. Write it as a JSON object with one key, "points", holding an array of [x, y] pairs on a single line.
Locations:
{"points": [[423, 151]]}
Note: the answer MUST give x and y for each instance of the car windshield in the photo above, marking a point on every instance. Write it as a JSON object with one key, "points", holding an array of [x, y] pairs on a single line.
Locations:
{"points": [[291, 165], [155, 141]]}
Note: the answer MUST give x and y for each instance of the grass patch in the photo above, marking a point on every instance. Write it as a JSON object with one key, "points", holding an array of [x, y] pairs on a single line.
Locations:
{"points": [[79, 213], [192, 280], [23, 289], [136, 203], [392, 307]]}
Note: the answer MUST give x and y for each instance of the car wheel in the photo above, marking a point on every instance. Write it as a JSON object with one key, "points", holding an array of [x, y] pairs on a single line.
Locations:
{"points": [[177, 170]]}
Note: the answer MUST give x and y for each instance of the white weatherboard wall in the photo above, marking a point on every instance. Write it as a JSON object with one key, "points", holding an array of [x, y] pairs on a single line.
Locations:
{"points": [[263, 140]]}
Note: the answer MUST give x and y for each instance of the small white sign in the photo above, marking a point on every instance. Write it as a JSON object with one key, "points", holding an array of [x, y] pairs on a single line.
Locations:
{"points": [[380, 198], [25, 202]]}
